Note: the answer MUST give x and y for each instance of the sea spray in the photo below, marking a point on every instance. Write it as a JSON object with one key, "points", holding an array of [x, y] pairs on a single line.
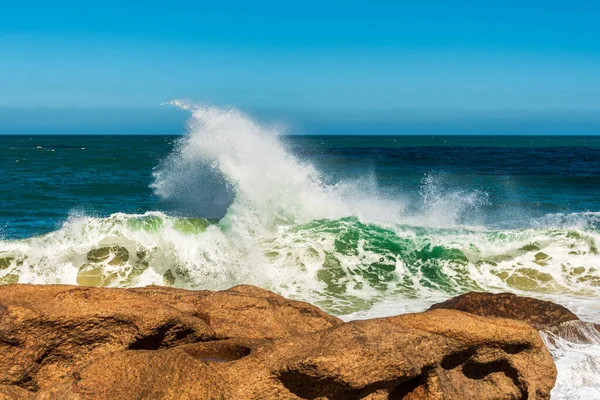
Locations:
{"points": [[251, 161]]}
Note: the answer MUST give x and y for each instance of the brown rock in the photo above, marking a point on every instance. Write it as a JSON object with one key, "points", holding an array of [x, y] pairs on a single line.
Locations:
{"points": [[15, 392], [274, 349], [540, 314], [245, 311], [485, 358], [439, 354], [552, 318], [45, 331]]}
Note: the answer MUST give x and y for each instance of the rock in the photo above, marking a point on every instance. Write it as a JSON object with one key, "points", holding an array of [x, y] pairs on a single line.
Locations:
{"points": [[47, 330], [247, 343], [481, 358], [245, 311], [553, 319], [440, 354], [15, 392], [542, 315]]}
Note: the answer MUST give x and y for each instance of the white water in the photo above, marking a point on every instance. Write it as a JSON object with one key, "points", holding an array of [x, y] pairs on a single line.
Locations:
{"points": [[269, 184], [576, 352], [284, 229]]}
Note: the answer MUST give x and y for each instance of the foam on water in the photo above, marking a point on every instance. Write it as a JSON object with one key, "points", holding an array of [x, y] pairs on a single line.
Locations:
{"points": [[346, 247], [576, 353]]}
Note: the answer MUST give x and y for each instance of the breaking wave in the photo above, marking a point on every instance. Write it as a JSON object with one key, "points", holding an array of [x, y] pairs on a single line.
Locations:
{"points": [[273, 222], [345, 265]]}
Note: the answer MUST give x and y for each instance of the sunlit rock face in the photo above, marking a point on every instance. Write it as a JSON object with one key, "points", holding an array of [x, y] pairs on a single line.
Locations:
{"points": [[249, 343]]}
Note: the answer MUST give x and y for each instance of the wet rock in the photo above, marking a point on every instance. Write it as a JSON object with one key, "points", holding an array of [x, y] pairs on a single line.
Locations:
{"points": [[556, 321], [540, 314]]}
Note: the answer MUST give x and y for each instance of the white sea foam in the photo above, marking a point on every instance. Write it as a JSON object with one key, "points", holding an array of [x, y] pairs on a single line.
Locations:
{"points": [[576, 353]]}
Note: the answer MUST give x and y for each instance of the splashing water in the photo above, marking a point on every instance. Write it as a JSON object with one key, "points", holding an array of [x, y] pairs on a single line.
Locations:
{"points": [[268, 182], [576, 353], [265, 217]]}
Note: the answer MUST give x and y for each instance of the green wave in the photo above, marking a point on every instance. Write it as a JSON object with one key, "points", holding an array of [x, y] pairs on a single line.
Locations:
{"points": [[344, 265]]}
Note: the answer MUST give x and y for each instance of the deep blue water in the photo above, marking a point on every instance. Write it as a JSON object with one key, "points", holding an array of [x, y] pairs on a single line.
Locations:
{"points": [[44, 179]]}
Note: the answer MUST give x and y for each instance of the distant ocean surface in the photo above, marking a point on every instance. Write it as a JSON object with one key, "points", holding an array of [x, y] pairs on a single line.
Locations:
{"points": [[362, 226], [513, 180]]}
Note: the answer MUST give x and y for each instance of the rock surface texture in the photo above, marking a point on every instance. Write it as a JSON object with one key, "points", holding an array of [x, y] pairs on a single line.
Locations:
{"points": [[71, 342], [542, 315]]}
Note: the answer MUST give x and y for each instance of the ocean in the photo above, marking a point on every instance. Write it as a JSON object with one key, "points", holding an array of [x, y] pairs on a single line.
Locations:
{"points": [[362, 226]]}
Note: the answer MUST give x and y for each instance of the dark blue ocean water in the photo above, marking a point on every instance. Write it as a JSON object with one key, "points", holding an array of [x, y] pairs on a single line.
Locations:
{"points": [[46, 178]]}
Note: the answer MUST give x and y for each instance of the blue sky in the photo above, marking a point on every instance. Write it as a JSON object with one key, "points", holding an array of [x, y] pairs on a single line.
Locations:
{"points": [[319, 67]]}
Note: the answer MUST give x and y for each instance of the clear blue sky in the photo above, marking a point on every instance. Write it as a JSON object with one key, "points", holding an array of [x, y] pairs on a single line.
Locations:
{"points": [[320, 67]]}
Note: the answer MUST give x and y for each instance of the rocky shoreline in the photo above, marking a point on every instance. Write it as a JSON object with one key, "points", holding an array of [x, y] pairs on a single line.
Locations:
{"points": [[70, 342]]}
